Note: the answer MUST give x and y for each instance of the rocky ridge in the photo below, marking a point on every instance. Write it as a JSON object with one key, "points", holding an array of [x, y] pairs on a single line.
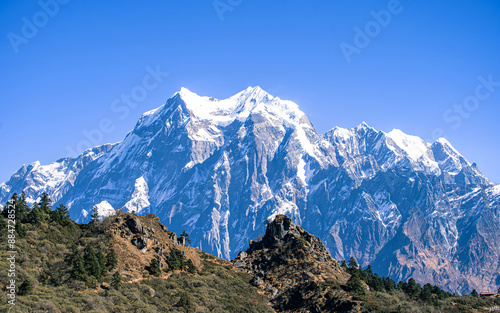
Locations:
{"points": [[218, 168], [296, 271]]}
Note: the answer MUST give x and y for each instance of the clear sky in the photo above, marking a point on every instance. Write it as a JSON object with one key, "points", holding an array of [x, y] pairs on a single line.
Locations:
{"points": [[429, 68]]}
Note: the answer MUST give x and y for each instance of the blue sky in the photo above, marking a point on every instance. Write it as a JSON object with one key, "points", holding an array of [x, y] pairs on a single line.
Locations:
{"points": [[428, 68]]}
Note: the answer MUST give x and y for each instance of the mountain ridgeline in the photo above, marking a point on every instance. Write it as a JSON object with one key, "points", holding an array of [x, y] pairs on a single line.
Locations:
{"points": [[135, 263], [219, 168]]}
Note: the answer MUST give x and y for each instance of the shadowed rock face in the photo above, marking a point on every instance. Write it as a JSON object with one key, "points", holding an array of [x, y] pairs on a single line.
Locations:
{"points": [[219, 168], [295, 270]]}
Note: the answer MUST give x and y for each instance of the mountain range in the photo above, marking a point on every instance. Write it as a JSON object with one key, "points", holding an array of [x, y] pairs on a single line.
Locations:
{"points": [[220, 168]]}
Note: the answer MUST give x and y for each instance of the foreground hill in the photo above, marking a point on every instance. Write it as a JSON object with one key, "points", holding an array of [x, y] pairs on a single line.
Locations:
{"points": [[218, 168], [50, 278], [129, 263]]}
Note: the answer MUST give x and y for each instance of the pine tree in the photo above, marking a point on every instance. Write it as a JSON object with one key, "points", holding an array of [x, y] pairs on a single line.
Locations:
{"points": [[91, 262], [413, 289], [24, 209], [186, 236], [79, 272], [474, 293], [154, 267], [176, 260], [402, 286], [111, 259], [190, 266], [102, 263], [60, 215], [389, 284], [343, 264], [25, 288], [45, 203], [35, 216], [353, 265], [3, 223], [94, 218], [355, 285], [117, 280]]}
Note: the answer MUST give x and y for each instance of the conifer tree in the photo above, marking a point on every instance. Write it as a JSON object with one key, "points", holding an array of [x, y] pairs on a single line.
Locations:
{"points": [[186, 236], [102, 263], [24, 209], [94, 218], [35, 216], [117, 280], [45, 203], [354, 284], [111, 259], [343, 264], [61, 215], [154, 267], [25, 288], [91, 262], [3, 223], [79, 272], [353, 265], [474, 293], [413, 289]]}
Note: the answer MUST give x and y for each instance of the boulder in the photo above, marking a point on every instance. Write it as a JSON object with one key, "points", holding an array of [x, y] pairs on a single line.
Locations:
{"points": [[135, 226]]}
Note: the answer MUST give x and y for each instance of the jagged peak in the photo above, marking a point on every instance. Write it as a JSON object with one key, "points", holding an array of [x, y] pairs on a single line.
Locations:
{"points": [[237, 107], [442, 141], [364, 125]]}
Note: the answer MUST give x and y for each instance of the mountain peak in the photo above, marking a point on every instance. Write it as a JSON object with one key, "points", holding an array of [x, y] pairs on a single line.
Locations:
{"points": [[447, 144]]}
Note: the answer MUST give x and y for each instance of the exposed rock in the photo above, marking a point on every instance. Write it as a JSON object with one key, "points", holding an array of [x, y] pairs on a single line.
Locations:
{"points": [[285, 265], [141, 243], [182, 240], [258, 156], [134, 224]]}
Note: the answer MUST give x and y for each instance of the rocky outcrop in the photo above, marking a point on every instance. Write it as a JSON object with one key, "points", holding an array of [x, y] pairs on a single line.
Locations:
{"points": [[295, 270], [219, 168]]}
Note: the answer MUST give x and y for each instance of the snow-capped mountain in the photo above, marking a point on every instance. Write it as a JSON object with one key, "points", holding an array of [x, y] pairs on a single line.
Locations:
{"points": [[219, 168]]}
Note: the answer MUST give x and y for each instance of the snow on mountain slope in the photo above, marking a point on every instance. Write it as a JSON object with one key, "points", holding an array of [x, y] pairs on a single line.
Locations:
{"points": [[219, 168], [55, 179], [416, 149], [140, 198]]}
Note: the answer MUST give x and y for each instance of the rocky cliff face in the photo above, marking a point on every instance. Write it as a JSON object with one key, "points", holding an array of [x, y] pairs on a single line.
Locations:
{"points": [[219, 168], [296, 271]]}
